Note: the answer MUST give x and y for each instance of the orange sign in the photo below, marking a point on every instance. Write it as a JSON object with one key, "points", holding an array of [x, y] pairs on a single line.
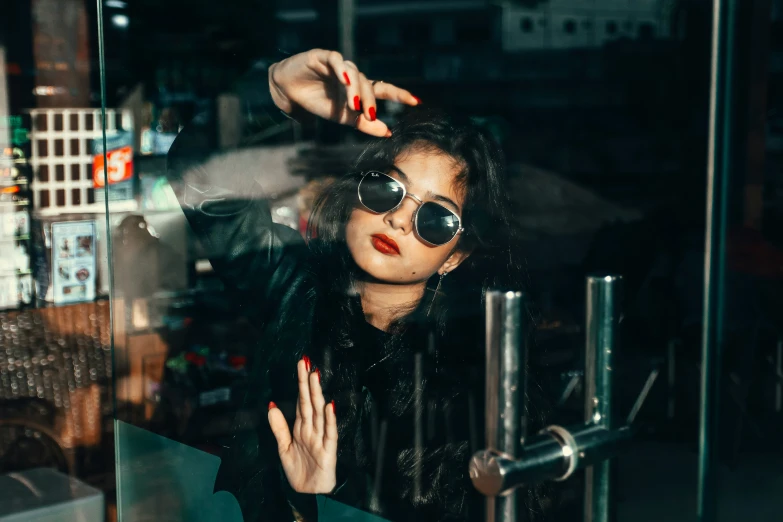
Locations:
{"points": [[120, 166]]}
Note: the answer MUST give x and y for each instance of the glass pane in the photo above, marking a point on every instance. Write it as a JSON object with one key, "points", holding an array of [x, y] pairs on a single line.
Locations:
{"points": [[241, 254], [745, 374], [56, 396]]}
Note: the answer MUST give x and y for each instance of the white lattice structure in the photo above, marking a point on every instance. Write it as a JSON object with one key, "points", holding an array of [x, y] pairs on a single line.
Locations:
{"points": [[62, 158]]}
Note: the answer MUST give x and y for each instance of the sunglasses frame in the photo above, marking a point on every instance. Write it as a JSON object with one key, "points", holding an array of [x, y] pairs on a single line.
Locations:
{"points": [[419, 203]]}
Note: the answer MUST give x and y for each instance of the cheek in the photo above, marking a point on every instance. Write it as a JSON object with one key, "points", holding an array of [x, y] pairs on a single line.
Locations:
{"points": [[419, 262], [425, 260], [357, 223], [357, 230]]}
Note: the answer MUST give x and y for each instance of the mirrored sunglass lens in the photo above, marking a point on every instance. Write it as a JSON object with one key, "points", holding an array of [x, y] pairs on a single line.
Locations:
{"points": [[436, 223], [380, 193]]}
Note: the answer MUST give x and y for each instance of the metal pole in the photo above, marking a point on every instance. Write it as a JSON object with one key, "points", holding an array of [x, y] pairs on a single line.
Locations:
{"points": [[719, 164], [602, 317], [418, 428], [505, 389], [347, 15]]}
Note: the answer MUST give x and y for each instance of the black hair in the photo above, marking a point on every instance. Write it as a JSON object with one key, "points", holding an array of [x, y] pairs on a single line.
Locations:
{"points": [[489, 233], [452, 317]]}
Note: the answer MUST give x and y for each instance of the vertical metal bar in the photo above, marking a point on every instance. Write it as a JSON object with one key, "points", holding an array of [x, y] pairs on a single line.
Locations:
{"points": [[505, 389], [719, 164], [375, 501], [418, 428], [347, 15], [602, 317]]}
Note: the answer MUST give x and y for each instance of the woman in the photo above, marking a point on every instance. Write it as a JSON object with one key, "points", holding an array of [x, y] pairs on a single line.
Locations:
{"points": [[371, 333]]}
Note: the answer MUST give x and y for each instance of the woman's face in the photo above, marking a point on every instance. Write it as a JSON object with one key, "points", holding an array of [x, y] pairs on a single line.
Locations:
{"points": [[430, 176]]}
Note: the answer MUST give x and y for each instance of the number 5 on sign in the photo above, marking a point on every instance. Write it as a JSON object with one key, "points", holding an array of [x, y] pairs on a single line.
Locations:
{"points": [[120, 166]]}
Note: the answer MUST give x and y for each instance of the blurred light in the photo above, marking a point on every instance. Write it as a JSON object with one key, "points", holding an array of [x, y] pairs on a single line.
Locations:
{"points": [[120, 20], [119, 4], [48, 90]]}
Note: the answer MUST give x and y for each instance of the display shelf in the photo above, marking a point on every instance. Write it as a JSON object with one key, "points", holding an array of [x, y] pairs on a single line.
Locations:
{"points": [[5, 183], [80, 128], [11, 204], [16, 282]]}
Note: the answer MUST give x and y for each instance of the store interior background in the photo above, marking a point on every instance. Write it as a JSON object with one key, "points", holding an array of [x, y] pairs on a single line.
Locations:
{"points": [[601, 107]]}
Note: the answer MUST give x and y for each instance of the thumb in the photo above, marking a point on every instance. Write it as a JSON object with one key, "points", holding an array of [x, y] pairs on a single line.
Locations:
{"points": [[279, 428]]}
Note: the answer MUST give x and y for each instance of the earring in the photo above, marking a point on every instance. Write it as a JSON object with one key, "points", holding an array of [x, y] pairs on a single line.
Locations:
{"points": [[434, 295]]}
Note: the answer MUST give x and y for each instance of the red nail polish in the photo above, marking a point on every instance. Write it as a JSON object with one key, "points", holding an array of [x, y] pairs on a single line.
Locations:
{"points": [[357, 104], [271, 405], [306, 359], [318, 373], [388, 134], [372, 113], [334, 410], [418, 100], [347, 80]]}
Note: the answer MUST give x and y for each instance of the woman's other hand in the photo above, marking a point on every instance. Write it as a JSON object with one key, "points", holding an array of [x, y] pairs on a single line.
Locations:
{"points": [[309, 455], [323, 83]]}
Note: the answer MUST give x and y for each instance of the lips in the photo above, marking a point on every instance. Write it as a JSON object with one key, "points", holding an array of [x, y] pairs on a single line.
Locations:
{"points": [[385, 245]]}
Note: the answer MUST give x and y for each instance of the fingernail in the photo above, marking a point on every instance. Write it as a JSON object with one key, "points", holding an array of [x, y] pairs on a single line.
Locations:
{"points": [[418, 100], [357, 105], [318, 373], [334, 410], [372, 113], [388, 134], [271, 405], [347, 80], [306, 359]]}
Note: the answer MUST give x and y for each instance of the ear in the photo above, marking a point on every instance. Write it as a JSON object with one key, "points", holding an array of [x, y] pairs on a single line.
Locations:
{"points": [[455, 259]]}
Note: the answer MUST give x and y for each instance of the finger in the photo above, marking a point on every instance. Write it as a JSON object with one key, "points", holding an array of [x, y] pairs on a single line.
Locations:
{"points": [[352, 91], [330, 435], [279, 428], [388, 91], [338, 65], [298, 423], [317, 398], [373, 128], [369, 105], [305, 406]]}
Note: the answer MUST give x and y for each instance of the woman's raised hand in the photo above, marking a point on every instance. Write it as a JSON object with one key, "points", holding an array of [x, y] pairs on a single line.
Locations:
{"points": [[323, 83], [309, 457]]}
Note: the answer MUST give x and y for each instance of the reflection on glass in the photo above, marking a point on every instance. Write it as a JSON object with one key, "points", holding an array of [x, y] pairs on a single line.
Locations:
{"points": [[140, 348]]}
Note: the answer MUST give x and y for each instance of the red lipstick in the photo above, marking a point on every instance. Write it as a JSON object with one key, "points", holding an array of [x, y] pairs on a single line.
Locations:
{"points": [[385, 245]]}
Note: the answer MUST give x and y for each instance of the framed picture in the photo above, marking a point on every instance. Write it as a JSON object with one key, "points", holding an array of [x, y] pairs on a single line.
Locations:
{"points": [[73, 261]]}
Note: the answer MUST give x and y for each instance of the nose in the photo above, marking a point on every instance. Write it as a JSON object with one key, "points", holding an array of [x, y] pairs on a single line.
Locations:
{"points": [[401, 218]]}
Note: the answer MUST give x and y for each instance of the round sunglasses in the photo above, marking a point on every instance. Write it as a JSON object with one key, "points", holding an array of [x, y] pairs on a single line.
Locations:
{"points": [[434, 223]]}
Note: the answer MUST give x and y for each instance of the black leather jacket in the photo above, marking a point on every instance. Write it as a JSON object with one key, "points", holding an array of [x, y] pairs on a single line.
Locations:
{"points": [[275, 282]]}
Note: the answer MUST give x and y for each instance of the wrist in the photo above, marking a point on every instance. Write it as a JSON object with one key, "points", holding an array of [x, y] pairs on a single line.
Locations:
{"points": [[280, 100]]}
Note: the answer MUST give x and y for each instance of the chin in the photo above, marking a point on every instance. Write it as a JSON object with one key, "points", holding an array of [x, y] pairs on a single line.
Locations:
{"points": [[382, 267], [379, 266]]}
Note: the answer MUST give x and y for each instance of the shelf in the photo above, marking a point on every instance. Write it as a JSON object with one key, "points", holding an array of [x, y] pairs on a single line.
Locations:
{"points": [[10, 273], [14, 238]]}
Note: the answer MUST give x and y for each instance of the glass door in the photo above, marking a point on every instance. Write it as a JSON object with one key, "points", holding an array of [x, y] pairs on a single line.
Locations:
{"points": [[251, 249]]}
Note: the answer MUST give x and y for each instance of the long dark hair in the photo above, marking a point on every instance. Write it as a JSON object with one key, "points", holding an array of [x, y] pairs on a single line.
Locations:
{"points": [[452, 317], [489, 230]]}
